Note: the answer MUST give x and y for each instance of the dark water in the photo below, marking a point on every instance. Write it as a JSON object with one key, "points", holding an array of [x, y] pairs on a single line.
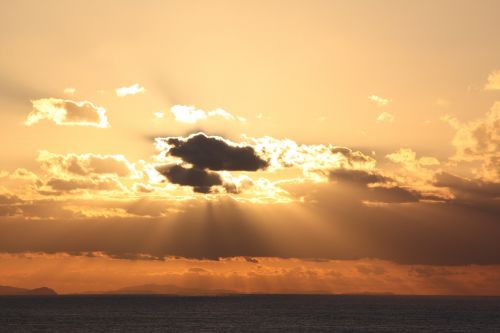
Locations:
{"points": [[249, 313]]}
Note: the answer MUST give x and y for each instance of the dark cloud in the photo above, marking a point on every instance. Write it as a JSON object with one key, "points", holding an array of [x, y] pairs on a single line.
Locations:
{"points": [[360, 177], [201, 180], [394, 194], [350, 155], [476, 193], [214, 153], [7, 199], [206, 154], [382, 188], [474, 187]]}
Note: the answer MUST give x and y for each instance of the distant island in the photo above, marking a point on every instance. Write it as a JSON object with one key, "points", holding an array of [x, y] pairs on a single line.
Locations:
{"points": [[11, 291]]}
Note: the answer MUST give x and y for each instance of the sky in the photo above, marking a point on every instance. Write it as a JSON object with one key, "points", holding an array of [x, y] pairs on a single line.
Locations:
{"points": [[257, 147]]}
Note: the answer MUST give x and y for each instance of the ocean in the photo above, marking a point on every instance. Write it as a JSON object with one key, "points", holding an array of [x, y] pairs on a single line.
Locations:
{"points": [[287, 313]]}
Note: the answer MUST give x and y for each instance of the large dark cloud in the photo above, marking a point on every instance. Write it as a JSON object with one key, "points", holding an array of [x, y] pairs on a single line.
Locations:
{"points": [[201, 180], [214, 153], [207, 154]]}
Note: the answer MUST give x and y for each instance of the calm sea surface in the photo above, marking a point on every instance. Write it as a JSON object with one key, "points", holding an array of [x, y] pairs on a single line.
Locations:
{"points": [[249, 313]]}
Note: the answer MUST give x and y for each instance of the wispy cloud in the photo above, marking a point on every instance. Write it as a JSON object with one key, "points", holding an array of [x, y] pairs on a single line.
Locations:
{"points": [[380, 101]]}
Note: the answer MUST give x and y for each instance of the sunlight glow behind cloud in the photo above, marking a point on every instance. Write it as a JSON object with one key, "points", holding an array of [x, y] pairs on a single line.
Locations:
{"points": [[67, 112]]}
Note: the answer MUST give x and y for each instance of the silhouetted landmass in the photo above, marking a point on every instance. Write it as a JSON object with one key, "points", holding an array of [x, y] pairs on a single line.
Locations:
{"points": [[6, 290]]}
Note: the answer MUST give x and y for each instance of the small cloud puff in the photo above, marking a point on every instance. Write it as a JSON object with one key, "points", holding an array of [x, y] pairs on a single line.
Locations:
{"points": [[131, 90], [380, 101], [190, 114], [493, 81], [159, 115], [69, 91], [385, 117], [68, 113]]}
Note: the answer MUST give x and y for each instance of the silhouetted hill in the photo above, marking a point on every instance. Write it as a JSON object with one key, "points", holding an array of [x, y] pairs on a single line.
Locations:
{"points": [[6, 290]]}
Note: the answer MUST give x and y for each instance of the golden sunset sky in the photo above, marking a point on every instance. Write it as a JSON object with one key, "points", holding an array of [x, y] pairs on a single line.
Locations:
{"points": [[251, 146]]}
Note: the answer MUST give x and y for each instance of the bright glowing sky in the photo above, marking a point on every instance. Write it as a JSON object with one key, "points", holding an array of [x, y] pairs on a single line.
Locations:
{"points": [[285, 146]]}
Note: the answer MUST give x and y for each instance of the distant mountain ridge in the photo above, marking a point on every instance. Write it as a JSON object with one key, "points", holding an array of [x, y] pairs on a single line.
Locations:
{"points": [[7, 290]]}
